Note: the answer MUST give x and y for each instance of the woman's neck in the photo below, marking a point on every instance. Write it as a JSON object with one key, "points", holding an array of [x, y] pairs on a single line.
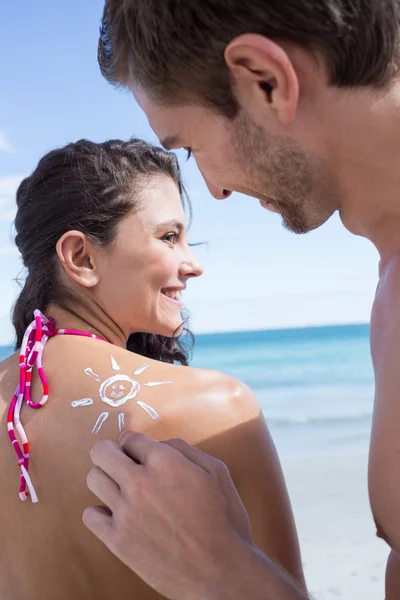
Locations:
{"points": [[92, 320]]}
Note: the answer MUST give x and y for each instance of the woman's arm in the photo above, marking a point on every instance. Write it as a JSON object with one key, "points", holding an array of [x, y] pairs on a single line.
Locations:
{"points": [[247, 449]]}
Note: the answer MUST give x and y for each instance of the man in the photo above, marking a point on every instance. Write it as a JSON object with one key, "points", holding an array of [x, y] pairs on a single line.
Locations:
{"points": [[296, 103]]}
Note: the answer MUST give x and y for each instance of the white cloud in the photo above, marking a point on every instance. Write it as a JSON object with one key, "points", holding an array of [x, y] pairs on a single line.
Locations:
{"points": [[5, 144], [8, 188]]}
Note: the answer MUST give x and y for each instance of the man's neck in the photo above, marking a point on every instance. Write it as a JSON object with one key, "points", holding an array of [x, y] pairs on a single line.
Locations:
{"points": [[366, 157]]}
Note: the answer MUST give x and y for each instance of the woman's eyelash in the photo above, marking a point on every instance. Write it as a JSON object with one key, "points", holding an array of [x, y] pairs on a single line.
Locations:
{"points": [[173, 235], [189, 153]]}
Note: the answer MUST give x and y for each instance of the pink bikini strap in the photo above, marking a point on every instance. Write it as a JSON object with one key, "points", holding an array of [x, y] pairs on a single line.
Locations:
{"points": [[31, 355]]}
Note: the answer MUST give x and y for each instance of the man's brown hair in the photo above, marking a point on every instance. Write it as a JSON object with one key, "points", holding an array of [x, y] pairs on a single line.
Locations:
{"points": [[174, 49]]}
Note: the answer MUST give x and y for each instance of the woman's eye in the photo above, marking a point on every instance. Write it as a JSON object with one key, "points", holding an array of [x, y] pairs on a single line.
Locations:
{"points": [[171, 238]]}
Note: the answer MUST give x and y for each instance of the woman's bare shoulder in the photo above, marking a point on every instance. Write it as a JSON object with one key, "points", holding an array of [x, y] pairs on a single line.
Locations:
{"points": [[204, 391], [211, 403], [191, 402], [8, 379], [227, 392], [87, 356], [98, 388], [8, 365]]}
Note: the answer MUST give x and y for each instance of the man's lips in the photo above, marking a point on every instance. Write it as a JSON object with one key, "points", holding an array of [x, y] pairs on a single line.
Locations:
{"points": [[269, 205], [267, 202]]}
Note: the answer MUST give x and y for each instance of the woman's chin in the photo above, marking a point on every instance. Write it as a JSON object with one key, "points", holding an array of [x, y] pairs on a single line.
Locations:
{"points": [[178, 330], [170, 330]]}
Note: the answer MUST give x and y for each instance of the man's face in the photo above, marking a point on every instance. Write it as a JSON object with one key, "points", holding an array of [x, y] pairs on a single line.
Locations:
{"points": [[239, 155]]}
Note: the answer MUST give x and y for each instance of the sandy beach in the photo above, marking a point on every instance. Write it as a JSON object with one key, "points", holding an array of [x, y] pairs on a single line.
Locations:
{"points": [[342, 556]]}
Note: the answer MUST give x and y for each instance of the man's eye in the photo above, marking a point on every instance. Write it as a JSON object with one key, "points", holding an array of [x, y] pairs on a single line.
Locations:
{"points": [[171, 237]]}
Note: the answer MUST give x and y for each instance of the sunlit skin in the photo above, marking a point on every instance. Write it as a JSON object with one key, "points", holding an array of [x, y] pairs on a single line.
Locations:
{"points": [[346, 139], [352, 139], [131, 280], [305, 149], [121, 289]]}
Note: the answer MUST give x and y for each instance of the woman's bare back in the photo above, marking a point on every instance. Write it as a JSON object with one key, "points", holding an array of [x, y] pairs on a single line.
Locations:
{"points": [[46, 552]]}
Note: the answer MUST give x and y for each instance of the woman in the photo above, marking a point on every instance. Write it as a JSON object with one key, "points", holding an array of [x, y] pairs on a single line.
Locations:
{"points": [[101, 231]]}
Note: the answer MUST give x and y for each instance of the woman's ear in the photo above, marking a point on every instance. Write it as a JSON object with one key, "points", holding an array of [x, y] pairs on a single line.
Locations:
{"points": [[77, 257], [264, 78]]}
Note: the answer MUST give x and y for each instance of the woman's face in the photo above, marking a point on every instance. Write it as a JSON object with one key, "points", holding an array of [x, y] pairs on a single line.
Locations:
{"points": [[143, 273]]}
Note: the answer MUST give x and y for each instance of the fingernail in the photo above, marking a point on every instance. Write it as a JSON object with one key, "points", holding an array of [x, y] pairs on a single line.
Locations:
{"points": [[122, 434]]}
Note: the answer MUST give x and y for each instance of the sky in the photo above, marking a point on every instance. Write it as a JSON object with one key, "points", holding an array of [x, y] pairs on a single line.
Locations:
{"points": [[257, 275]]}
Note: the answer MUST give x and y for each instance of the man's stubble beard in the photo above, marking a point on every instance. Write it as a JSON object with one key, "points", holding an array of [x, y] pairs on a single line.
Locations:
{"points": [[300, 190]]}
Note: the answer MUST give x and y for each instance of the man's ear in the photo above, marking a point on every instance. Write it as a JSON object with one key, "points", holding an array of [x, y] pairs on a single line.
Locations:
{"points": [[76, 255], [264, 78]]}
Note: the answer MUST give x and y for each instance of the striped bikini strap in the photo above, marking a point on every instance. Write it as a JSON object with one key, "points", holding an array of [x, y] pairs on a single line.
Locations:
{"points": [[31, 355]]}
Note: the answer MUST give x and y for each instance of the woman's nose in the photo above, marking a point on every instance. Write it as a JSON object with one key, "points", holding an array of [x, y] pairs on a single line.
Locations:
{"points": [[191, 268]]}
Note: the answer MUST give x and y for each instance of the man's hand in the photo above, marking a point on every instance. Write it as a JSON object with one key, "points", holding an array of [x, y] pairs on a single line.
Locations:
{"points": [[175, 518], [175, 511]]}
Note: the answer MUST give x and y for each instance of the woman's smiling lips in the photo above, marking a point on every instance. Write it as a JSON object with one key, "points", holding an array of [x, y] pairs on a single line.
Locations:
{"points": [[173, 295]]}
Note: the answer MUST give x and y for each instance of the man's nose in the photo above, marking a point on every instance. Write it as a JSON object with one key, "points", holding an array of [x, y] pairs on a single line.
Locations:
{"points": [[217, 192]]}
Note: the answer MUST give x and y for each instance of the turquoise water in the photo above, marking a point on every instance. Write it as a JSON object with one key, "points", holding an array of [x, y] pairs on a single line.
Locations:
{"points": [[314, 385]]}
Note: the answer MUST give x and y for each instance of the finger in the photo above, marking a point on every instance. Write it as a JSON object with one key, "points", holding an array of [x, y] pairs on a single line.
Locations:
{"points": [[113, 461], [138, 446], [99, 521], [199, 458], [220, 472], [103, 487]]}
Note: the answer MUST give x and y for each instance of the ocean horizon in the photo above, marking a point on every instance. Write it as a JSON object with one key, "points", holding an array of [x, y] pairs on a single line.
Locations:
{"points": [[315, 385]]}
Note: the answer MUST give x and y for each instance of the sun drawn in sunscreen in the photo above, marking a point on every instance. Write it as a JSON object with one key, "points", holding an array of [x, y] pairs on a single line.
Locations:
{"points": [[116, 391]]}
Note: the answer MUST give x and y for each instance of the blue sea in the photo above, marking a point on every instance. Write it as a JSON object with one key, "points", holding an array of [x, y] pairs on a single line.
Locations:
{"points": [[315, 385]]}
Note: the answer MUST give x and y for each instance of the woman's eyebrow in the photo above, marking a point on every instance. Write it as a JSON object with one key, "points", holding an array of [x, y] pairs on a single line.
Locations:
{"points": [[173, 224]]}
